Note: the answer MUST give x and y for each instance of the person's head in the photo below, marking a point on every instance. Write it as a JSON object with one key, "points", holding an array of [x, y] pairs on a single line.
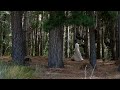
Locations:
{"points": [[76, 41]]}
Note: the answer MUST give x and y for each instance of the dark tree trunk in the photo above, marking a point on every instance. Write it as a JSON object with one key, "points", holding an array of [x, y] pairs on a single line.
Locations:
{"points": [[92, 47], [41, 43], [36, 36], [3, 46], [112, 41], [18, 52], [24, 33], [41, 35], [98, 42], [119, 35], [74, 38], [67, 37], [28, 32], [98, 45], [33, 43], [92, 44], [117, 40], [66, 42], [1, 39], [86, 44], [102, 42], [36, 47], [55, 51]]}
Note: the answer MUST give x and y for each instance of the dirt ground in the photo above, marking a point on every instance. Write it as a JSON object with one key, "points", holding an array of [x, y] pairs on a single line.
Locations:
{"points": [[73, 69]]}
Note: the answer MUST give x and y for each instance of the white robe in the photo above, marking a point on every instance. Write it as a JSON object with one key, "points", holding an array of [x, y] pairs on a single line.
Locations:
{"points": [[77, 54]]}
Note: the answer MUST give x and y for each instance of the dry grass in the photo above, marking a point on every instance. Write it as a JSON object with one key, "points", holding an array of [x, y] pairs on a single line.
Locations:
{"points": [[12, 71], [73, 70]]}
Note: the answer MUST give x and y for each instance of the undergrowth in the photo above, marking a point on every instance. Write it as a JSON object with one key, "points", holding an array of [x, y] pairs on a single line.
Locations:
{"points": [[12, 71]]}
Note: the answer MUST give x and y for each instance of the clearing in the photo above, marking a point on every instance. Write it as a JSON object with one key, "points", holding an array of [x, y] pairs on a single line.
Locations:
{"points": [[73, 69]]}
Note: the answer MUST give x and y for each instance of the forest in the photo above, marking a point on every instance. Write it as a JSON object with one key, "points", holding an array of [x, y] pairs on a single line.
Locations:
{"points": [[59, 44]]}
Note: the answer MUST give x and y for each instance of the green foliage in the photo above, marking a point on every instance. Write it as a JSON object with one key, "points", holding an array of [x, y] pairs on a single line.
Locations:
{"points": [[47, 26], [108, 16], [80, 18], [57, 18], [5, 31], [33, 25]]}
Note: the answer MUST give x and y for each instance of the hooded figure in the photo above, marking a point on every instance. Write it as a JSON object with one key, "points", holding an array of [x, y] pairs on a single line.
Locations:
{"points": [[77, 54]]}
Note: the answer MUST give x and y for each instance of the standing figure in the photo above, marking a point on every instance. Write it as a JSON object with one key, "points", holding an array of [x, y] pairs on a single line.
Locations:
{"points": [[77, 54]]}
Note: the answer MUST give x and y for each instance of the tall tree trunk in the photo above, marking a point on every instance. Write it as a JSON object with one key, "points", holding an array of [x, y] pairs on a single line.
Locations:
{"points": [[98, 39], [117, 40], [41, 42], [18, 52], [86, 44], [74, 38], [119, 34], [55, 51], [3, 45], [44, 42], [33, 43], [67, 37], [24, 32], [71, 42], [66, 40], [36, 36], [41, 35], [1, 38], [36, 47], [28, 33], [102, 42], [98, 44], [112, 41], [92, 45]]}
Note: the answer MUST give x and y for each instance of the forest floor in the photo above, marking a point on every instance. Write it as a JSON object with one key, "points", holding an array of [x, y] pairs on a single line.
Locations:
{"points": [[73, 69]]}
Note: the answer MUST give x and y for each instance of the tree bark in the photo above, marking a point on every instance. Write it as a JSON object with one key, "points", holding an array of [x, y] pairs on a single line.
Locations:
{"points": [[41, 36], [92, 44], [92, 47], [112, 41], [102, 42], [3, 46], [24, 33], [117, 40], [74, 38], [86, 44], [119, 34], [98, 41], [55, 51], [1, 39], [18, 52], [36, 36], [66, 42]]}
